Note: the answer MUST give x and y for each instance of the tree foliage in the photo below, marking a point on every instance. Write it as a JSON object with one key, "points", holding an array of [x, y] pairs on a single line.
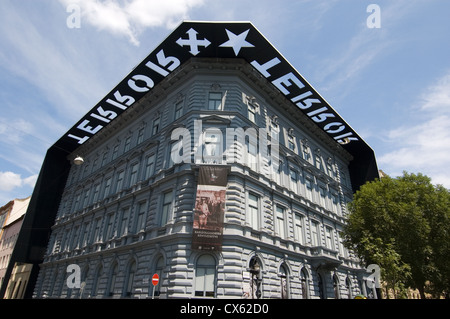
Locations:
{"points": [[403, 225]]}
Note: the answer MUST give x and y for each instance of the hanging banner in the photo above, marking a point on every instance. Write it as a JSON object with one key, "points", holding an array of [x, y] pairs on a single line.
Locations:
{"points": [[209, 208]]}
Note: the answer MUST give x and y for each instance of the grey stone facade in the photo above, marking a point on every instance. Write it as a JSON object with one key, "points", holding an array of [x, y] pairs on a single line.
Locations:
{"points": [[127, 212]]}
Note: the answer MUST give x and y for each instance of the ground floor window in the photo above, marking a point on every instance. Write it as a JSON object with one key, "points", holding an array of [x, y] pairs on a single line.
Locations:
{"points": [[205, 276]]}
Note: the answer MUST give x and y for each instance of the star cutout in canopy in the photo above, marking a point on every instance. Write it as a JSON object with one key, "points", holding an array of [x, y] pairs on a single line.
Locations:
{"points": [[237, 41]]}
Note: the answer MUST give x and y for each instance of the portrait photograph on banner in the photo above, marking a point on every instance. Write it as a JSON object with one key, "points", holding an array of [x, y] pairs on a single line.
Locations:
{"points": [[209, 208]]}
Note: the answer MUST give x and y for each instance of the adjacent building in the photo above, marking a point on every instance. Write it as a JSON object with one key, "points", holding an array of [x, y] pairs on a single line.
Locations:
{"points": [[11, 217], [215, 165]]}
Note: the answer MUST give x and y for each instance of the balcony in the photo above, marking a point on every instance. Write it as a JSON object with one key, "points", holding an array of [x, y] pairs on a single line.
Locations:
{"points": [[325, 258]]}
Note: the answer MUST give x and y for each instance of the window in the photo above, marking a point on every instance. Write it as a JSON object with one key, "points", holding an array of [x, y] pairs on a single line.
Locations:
{"points": [[205, 275], [213, 152], [107, 187], [86, 198], [215, 101], [336, 287], [94, 164], [175, 154], [274, 131], [140, 138], [84, 239], [115, 151], [127, 144], [321, 284], [74, 244], [334, 201], [309, 187], [167, 208], [319, 162], [298, 228], [284, 282], [158, 270], [130, 279], [95, 284], [178, 110], [342, 249], [96, 193], [149, 166], [140, 222], [330, 170], [119, 183], [252, 151], [104, 158], [253, 203], [329, 237], [77, 202], [291, 145], [291, 139], [294, 178], [96, 235], [124, 221], [252, 113], [280, 221], [112, 279], [343, 179], [323, 195], [134, 174], [348, 286], [306, 150], [156, 123], [304, 283], [109, 227], [315, 239]]}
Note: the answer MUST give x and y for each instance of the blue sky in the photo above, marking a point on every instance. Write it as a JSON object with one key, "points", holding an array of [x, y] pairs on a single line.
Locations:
{"points": [[391, 84]]}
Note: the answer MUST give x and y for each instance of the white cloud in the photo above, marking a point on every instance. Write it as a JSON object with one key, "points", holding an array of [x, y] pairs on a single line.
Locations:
{"points": [[10, 181], [130, 18], [13, 131], [424, 147]]}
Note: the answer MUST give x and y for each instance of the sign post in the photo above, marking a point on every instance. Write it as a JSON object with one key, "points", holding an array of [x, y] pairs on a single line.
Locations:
{"points": [[155, 282]]}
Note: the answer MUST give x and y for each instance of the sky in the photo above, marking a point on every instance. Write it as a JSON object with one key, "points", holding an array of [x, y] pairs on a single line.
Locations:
{"points": [[383, 65]]}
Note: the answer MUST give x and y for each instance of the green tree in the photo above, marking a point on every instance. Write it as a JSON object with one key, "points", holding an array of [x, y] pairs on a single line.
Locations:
{"points": [[402, 224]]}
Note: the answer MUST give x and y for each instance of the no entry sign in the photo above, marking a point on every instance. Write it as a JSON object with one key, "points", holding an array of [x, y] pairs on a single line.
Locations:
{"points": [[155, 279]]}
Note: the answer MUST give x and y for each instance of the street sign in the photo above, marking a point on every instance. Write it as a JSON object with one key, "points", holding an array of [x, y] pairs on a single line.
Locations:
{"points": [[155, 279], [155, 282]]}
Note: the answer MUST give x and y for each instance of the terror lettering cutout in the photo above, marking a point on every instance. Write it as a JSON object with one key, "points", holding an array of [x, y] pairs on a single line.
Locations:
{"points": [[219, 40], [225, 40]]}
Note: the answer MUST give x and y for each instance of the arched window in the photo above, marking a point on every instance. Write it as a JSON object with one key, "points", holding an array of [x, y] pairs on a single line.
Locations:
{"points": [[83, 280], [53, 284], [322, 294], [336, 286], [129, 281], [96, 282], [205, 276], [348, 285], [159, 268], [304, 283], [284, 282], [112, 280], [256, 279]]}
